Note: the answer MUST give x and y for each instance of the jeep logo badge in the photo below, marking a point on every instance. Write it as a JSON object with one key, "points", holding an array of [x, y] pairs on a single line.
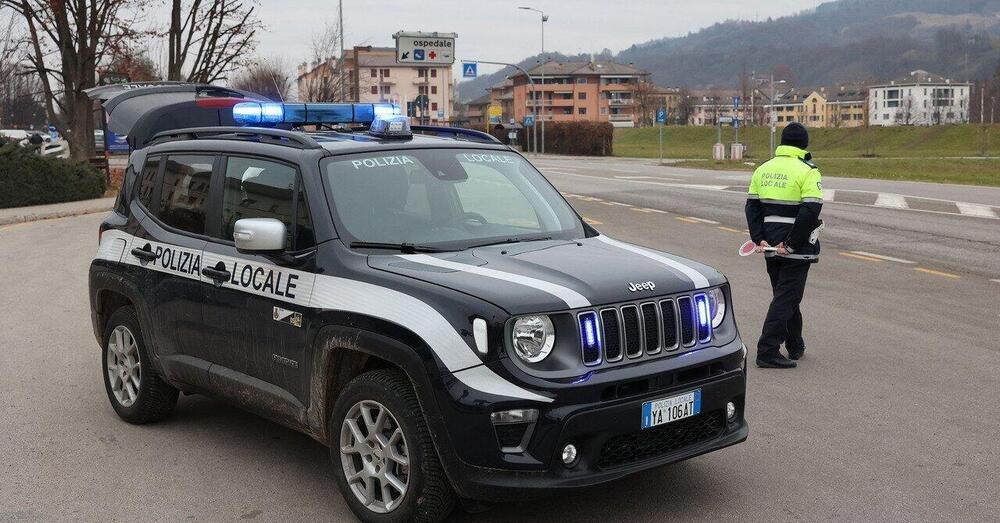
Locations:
{"points": [[644, 286]]}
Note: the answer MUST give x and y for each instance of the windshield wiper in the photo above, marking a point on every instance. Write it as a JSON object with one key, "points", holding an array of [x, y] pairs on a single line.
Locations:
{"points": [[405, 248], [510, 240]]}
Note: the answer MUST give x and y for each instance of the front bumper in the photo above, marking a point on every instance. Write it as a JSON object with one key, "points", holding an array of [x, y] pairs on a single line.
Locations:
{"points": [[602, 418]]}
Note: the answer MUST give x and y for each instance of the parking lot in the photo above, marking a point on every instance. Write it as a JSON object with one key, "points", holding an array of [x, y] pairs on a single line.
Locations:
{"points": [[892, 415]]}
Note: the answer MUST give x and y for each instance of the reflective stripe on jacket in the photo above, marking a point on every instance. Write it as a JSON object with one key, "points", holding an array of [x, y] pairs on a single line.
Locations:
{"points": [[784, 202]]}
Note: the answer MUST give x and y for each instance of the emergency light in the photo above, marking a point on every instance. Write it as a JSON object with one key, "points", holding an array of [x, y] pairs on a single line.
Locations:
{"points": [[271, 113]]}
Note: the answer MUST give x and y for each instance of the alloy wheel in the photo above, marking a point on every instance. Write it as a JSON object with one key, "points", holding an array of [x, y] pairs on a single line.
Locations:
{"points": [[123, 366], [375, 457]]}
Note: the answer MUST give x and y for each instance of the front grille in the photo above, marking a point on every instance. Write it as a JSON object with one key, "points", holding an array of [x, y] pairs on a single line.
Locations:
{"points": [[659, 441], [634, 330]]}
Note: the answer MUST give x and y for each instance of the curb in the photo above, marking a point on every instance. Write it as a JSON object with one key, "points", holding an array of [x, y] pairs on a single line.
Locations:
{"points": [[51, 215]]}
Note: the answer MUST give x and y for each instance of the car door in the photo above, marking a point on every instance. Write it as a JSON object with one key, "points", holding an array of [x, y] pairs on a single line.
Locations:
{"points": [[168, 244], [257, 304]]}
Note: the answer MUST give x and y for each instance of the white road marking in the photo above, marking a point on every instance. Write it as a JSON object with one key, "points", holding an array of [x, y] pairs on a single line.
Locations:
{"points": [[892, 201], [647, 178], [881, 257], [975, 209], [648, 210], [620, 170], [702, 220]]}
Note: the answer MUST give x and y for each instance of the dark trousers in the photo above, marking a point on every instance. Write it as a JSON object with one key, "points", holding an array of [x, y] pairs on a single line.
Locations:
{"points": [[784, 319]]}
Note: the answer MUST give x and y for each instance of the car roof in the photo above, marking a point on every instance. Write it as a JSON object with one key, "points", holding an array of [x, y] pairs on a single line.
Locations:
{"points": [[347, 143]]}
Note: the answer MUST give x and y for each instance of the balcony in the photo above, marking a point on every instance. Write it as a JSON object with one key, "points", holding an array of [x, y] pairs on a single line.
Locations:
{"points": [[621, 101], [621, 117]]}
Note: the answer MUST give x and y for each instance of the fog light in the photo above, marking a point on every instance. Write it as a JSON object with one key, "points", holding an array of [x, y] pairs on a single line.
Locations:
{"points": [[730, 411], [569, 454]]}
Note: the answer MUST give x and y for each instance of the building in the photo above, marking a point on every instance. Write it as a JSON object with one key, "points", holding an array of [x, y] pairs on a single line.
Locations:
{"points": [[476, 111], [372, 75], [708, 107], [843, 106], [595, 91], [919, 99]]}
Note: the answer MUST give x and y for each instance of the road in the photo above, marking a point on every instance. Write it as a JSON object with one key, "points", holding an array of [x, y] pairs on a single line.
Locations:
{"points": [[893, 414]]}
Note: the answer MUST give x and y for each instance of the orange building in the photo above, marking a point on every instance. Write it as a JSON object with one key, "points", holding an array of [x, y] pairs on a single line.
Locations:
{"points": [[598, 91]]}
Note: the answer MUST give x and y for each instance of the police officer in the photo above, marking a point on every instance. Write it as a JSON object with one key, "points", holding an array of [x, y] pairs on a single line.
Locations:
{"points": [[783, 206]]}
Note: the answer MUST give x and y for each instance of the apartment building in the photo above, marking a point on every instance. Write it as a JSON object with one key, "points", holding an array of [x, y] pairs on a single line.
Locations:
{"points": [[843, 106], [919, 99], [372, 75], [708, 107], [596, 91]]}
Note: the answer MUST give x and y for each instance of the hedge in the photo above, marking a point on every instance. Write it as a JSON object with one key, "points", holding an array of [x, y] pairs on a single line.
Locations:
{"points": [[29, 179], [579, 138]]}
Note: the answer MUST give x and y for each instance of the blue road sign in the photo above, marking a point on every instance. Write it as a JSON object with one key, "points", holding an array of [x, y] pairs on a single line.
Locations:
{"points": [[418, 54], [736, 102], [661, 115], [529, 120], [470, 69]]}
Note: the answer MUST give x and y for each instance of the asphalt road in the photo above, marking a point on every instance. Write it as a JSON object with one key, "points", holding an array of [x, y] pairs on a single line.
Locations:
{"points": [[893, 414]]}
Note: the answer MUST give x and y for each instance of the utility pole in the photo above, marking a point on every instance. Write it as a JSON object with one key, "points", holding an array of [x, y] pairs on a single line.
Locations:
{"points": [[770, 114], [545, 18], [340, 21]]}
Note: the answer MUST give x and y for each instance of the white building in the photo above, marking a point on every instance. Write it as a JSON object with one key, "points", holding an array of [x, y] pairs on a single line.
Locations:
{"points": [[920, 99]]}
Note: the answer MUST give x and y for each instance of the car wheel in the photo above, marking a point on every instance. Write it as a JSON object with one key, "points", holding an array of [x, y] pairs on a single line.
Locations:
{"points": [[136, 391], [386, 465]]}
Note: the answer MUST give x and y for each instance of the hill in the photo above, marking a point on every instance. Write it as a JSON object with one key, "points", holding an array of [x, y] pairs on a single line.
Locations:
{"points": [[842, 41]]}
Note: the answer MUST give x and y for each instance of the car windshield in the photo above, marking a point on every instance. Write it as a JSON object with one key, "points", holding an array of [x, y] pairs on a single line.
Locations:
{"points": [[445, 198]]}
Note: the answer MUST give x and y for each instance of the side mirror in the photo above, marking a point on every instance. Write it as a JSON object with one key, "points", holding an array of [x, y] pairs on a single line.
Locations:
{"points": [[259, 235]]}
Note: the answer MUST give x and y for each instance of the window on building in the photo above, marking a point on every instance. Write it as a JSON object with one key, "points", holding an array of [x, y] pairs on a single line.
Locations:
{"points": [[581, 110], [581, 95], [434, 89], [604, 110], [581, 80], [184, 192], [374, 73], [385, 73], [422, 89], [434, 73], [386, 89], [421, 73], [434, 106], [374, 89]]}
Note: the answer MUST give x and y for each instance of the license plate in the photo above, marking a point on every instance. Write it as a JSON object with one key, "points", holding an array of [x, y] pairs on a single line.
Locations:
{"points": [[659, 412]]}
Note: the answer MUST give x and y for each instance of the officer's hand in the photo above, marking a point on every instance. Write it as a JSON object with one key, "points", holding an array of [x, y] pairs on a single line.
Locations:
{"points": [[781, 249], [760, 248]]}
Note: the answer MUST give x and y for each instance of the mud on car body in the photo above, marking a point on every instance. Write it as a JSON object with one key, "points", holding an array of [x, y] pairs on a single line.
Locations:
{"points": [[420, 300]]}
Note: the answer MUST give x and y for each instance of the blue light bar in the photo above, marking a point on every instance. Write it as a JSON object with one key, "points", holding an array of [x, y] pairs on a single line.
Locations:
{"points": [[267, 113], [590, 339]]}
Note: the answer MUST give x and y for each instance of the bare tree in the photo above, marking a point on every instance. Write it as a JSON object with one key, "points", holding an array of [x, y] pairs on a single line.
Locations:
{"points": [[20, 91], [66, 43], [269, 78], [324, 78], [212, 39], [645, 102], [685, 107], [904, 113], [135, 65]]}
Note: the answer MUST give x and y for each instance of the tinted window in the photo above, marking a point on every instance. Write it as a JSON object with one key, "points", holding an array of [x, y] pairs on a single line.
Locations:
{"points": [[147, 181], [184, 192], [260, 189]]}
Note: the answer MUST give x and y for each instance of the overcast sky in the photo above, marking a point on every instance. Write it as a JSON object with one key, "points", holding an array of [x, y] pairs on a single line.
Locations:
{"points": [[497, 30]]}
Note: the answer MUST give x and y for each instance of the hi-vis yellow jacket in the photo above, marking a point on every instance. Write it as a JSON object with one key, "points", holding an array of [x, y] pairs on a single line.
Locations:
{"points": [[784, 202]]}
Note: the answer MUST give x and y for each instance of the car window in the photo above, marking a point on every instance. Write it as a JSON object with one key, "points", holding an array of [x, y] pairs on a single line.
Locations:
{"points": [[305, 236], [184, 192], [256, 188], [490, 194], [147, 182]]}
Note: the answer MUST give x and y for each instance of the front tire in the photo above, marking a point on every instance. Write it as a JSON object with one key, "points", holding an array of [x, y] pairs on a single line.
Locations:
{"points": [[386, 465], [136, 391]]}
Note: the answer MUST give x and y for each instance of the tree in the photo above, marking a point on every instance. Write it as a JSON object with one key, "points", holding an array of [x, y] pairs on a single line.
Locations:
{"points": [[645, 102], [137, 66], [212, 39], [269, 78], [685, 107], [20, 106], [66, 41], [323, 78]]}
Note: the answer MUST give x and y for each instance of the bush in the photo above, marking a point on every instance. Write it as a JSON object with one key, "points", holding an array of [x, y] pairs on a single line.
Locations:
{"points": [[579, 138], [29, 179]]}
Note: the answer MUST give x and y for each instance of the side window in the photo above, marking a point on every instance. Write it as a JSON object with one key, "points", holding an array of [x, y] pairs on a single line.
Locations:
{"points": [[184, 192], [305, 237], [143, 189], [257, 188]]}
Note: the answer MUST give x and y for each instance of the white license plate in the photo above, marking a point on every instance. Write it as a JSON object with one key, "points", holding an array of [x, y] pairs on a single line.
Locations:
{"points": [[658, 412]]}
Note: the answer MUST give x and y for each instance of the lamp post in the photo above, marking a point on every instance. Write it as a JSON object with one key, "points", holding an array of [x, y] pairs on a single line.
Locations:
{"points": [[773, 116], [545, 18]]}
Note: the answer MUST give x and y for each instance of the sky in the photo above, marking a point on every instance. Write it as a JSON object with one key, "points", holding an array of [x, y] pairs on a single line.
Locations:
{"points": [[497, 30]]}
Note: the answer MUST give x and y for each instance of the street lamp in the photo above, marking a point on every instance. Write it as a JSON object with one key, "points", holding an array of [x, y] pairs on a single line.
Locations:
{"points": [[545, 18]]}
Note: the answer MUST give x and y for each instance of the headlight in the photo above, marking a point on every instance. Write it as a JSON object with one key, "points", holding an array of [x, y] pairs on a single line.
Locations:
{"points": [[533, 338], [717, 306]]}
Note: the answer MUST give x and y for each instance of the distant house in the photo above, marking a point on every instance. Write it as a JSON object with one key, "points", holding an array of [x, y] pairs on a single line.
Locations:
{"points": [[919, 99], [843, 106], [476, 111]]}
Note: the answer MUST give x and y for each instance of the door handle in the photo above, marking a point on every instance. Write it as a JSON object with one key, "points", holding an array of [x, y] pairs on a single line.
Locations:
{"points": [[144, 253], [216, 274]]}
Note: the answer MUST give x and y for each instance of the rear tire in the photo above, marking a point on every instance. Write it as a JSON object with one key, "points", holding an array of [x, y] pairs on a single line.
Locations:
{"points": [[137, 393], [378, 436]]}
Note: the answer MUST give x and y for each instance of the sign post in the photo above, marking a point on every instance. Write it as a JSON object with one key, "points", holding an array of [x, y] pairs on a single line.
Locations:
{"points": [[661, 118], [493, 112], [425, 48]]}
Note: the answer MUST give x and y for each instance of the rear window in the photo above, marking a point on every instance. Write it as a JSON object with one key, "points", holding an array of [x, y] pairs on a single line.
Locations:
{"points": [[184, 192]]}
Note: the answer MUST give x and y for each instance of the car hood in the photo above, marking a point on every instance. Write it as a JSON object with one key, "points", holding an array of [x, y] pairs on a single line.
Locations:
{"points": [[555, 275]]}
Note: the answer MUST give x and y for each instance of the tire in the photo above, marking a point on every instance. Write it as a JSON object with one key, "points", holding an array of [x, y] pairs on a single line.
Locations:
{"points": [[152, 399], [428, 495]]}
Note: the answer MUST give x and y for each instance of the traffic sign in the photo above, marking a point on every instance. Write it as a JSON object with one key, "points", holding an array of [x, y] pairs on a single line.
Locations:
{"points": [[736, 102], [440, 114], [661, 115], [495, 111], [725, 120], [529, 120], [425, 48], [469, 69], [736, 123]]}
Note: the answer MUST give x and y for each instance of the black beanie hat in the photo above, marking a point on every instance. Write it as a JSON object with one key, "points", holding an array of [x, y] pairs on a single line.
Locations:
{"points": [[796, 135]]}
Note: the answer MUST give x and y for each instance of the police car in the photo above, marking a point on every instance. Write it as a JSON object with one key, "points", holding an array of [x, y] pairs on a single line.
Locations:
{"points": [[420, 299]]}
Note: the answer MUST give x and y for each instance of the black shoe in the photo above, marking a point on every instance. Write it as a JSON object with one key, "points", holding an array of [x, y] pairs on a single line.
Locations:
{"points": [[776, 361], [797, 353]]}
